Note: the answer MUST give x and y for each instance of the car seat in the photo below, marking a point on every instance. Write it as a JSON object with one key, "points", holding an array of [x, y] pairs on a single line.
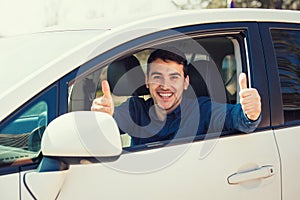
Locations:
{"points": [[205, 80], [126, 77]]}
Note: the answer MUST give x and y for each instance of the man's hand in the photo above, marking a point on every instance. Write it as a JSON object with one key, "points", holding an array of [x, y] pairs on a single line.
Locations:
{"points": [[104, 103], [249, 99]]}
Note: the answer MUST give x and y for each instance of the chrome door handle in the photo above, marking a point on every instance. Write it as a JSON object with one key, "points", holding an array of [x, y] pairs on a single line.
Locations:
{"points": [[258, 173]]}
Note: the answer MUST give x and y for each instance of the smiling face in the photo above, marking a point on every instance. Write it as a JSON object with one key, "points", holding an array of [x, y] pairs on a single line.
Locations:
{"points": [[166, 83]]}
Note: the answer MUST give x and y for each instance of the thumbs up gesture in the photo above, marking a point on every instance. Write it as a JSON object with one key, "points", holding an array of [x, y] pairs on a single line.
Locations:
{"points": [[249, 99], [104, 103]]}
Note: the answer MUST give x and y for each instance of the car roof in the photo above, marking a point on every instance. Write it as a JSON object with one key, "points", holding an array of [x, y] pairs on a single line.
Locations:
{"points": [[189, 17], [33, 61]]}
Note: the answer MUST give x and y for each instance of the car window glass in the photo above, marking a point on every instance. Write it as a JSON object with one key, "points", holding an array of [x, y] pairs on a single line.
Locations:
{"points": [[82, 90], [287, 49], [229, 76], [20, 139], [21, 133]]}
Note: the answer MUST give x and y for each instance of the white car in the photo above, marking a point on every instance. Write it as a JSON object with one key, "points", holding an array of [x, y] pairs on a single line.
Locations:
{"points": [[53, 147]]}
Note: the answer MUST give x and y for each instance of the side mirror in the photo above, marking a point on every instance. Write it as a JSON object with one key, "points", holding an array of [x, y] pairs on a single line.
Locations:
{"points": [[72, 136], [82, 134]]}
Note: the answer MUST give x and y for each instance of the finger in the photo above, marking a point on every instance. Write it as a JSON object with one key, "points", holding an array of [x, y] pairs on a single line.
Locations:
{"points": [[102, 105], [96, 103], [249, 93], [252, 114], [243, 81], [101, 108], [106, 89], [252, 108]]}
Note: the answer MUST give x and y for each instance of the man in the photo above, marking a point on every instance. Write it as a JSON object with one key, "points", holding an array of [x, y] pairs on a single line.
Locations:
{"points": [[169, 114]]}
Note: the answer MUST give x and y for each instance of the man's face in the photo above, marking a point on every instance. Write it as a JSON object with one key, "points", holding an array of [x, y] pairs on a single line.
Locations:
{"points": [[166, 83]]}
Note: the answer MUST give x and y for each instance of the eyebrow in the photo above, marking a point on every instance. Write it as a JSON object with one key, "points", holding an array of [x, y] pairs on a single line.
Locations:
{"points": [[155, 73], [172, 74]]}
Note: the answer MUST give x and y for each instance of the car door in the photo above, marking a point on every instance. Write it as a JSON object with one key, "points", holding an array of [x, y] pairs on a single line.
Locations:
{"points": [[283, 44], [214, 165]]}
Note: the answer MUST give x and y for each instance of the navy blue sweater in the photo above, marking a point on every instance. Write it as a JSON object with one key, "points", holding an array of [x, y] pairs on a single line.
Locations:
{"points": [[194, 116]]}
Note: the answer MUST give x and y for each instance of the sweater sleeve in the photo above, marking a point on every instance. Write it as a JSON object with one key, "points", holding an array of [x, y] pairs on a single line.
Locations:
{"points": [[230, 117], [244, 124], [131, 114], [123, 117]]}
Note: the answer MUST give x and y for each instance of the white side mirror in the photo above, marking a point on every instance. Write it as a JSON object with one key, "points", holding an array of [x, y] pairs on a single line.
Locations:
{"points": [[82, 134]]}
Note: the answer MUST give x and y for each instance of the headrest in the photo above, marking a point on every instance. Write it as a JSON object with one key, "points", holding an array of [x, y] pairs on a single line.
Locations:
{"points": [[205, 80], [197, 72], [126, 77]]}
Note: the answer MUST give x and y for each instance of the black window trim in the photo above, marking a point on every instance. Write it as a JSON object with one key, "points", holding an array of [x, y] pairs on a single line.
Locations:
{"points": [[276, 104]]}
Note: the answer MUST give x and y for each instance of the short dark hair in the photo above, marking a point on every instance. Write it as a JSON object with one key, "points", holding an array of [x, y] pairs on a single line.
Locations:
{"points": [[169, 53]]}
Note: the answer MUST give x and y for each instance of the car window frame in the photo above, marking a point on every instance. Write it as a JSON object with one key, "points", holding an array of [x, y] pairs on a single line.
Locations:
{"points": [[250, 31], [276, 104]]}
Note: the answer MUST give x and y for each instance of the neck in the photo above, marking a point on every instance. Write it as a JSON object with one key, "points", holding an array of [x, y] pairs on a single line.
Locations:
{"points": [[160, 113]]}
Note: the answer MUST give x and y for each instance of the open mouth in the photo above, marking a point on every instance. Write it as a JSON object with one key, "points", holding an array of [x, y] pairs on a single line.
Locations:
{"points": [[165, 95]]}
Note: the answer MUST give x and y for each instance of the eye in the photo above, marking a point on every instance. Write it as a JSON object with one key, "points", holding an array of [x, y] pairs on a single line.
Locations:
{"points": [[174, 77], [156, 77]]}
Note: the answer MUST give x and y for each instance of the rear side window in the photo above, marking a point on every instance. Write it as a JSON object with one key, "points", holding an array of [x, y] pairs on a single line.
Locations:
{"points": [[287, 49]]}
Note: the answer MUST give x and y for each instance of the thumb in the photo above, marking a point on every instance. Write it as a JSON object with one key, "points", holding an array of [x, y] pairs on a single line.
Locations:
{"points": [[243, 81], [106, 89]]}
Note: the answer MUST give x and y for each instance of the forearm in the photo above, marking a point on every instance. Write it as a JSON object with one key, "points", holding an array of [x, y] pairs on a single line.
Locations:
{"points": [[237, 120]]}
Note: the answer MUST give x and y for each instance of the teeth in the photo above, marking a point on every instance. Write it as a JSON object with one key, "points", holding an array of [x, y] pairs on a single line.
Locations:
{"points": [[165, 95]]}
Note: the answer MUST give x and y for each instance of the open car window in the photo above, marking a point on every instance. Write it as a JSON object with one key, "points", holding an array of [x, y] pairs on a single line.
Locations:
{"points": [[210, 58]]}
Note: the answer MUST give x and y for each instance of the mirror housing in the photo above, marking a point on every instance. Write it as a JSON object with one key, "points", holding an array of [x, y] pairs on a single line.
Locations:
{"points": [[82, 134]]}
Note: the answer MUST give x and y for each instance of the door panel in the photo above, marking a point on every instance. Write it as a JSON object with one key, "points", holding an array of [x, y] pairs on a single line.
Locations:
{"points": [[33, 189], [10, 186], [288, 143], [191, 175]]}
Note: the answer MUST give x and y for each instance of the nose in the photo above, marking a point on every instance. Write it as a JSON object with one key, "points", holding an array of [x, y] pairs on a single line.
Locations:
{"points": [[165, 83]]}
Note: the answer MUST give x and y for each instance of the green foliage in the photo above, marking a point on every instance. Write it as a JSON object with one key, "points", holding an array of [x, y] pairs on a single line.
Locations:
{"points": [[272, 4]]}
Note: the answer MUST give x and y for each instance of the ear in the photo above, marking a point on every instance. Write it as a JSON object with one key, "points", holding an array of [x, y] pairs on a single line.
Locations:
{"points": [[186, 82]]}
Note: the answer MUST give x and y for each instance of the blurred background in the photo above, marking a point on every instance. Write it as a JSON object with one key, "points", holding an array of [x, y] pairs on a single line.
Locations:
{"points": [[25, 16]]}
